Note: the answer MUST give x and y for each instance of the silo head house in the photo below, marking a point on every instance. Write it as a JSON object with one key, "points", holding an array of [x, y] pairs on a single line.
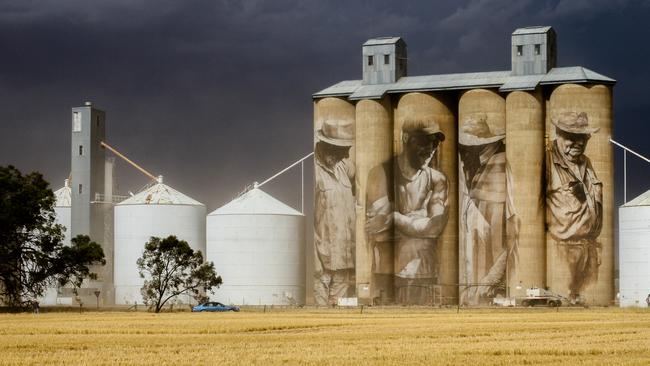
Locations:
{"points": [[464, 188]]}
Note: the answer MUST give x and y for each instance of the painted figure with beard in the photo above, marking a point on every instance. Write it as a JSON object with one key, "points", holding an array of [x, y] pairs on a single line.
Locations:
{"points": [[407, 211], [488, 246], [574, 200], [334, 215]]}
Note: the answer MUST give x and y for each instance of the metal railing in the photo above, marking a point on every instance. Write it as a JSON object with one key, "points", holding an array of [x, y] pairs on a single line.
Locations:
{"points": [[114, 198], [625, 151]]}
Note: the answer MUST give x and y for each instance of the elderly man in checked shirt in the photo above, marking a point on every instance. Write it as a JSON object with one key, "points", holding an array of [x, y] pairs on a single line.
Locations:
{"points": [[574, 200]]}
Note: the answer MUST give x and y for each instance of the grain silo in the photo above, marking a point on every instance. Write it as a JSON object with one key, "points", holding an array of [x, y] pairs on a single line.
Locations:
{"points": [[484, 260], [333, 111], [257, 244], [525, 156], [441, 109], [62, 209], [634, 251], [374, 121], [159, 211], [580, 236], [507, 233]]}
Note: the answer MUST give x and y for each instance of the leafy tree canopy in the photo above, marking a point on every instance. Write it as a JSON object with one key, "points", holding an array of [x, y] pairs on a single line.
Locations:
{"points": [[170, 268], [32, 254]]}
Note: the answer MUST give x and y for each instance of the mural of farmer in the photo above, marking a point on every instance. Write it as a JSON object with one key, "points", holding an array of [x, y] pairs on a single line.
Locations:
{"points": [[334, 212], [404, 220], [487, 249], [574, 199]]}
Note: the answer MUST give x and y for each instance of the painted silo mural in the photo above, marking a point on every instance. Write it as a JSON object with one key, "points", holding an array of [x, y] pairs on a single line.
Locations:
{"points": [[487, 244], [574, 201], [465, 188], [407, 211], [334, 212]]}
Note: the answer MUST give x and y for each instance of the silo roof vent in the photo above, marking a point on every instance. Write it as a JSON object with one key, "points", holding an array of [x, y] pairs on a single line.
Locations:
{"points": [[160, 194]]}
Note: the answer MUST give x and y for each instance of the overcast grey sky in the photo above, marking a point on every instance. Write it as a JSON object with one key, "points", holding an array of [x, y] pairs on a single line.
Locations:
{"points": [[217, 94]]}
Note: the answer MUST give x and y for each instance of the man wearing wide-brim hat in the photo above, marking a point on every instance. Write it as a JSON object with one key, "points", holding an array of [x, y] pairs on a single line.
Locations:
{"points": [[574, 199], [404, 259], [487, 244], [334, 212]]}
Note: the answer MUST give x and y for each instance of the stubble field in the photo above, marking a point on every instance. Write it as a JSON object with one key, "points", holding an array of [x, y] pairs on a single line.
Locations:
{"points": [[387, 336]]}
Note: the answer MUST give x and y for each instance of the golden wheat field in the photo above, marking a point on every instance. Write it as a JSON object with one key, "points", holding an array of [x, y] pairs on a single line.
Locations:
{"points": [[386, 336]]}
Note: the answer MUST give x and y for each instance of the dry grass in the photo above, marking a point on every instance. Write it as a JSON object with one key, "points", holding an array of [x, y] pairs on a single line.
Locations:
{"points": [[328, 337]]}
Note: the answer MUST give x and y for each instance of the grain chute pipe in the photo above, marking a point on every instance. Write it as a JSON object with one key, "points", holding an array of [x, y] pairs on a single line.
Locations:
{"points": [[630, 150], [141, 169], [284, 170], [625, 151]]}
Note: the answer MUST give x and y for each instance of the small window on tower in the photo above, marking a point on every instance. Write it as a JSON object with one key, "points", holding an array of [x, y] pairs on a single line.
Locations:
{"points": [[76, 122], [97, 121], [370, 61], [81, 150], [80, 189], [386, 59], [538, 49], [520, 50]]}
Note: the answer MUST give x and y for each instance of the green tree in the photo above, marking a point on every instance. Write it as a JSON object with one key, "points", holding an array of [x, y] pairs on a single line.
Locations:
{"points": [[170, 268], [32, 254]]}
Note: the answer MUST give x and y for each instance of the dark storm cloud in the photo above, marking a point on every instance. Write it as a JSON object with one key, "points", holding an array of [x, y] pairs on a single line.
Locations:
{"points": [[216, 94]]}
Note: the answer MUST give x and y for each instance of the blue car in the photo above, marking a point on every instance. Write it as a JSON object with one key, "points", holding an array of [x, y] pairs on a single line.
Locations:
{"points": [[214, 306]]}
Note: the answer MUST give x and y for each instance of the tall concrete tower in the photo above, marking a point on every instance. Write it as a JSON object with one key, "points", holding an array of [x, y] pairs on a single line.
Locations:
{"points": [[384, 60], [92, 210], [533, 50], [87, 165]]}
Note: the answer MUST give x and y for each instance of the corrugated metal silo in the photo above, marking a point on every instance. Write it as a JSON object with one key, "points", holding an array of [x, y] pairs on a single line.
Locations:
{"points": [[634, 251], [159, 211], [62, 208], [257, 244]]}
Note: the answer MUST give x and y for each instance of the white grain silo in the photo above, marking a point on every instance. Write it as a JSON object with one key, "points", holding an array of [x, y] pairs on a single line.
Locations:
{"points": [[634, 251], [62, 207], [257, 244], [159, 211]]}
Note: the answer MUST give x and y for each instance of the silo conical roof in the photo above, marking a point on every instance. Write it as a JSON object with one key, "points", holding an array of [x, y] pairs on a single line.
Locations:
{"points": [[642, 200], [160, 194], [63, 196], [255, 202]]}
